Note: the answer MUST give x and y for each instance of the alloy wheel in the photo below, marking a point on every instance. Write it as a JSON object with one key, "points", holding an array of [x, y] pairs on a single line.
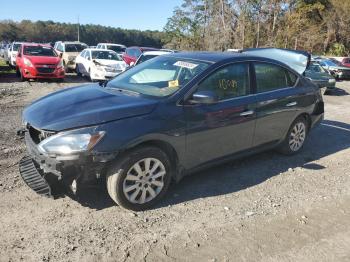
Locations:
{"points": [[297, 136], [144, 181]]}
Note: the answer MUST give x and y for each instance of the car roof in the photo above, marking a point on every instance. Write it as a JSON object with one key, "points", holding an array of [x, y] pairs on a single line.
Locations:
{"points": [[35, 44], [97, 49], [111, 44], [212, 57], [71, 42], [144, 48]]}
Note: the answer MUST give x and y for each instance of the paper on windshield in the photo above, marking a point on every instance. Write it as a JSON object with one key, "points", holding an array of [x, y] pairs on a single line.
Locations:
{"points": [[173, 83], [186, 64]]}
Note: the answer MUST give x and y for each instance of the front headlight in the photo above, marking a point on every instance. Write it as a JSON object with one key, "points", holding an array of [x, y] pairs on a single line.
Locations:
{"points": [[332, 80], [68, 143], [99, 68], [71, 58], [60, 63], [27, 62]]}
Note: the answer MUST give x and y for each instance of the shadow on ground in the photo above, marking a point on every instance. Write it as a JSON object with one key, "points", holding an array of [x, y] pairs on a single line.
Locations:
{"points": [[241, 174]]}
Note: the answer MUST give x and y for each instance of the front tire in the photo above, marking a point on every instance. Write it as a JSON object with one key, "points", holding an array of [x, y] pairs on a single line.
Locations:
{"points": [[296, 137], [21, 75], [140, 178]]}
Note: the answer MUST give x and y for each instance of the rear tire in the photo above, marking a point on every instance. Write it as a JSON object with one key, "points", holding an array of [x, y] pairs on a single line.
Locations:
{"points": [[139, 178], [295, 138]]}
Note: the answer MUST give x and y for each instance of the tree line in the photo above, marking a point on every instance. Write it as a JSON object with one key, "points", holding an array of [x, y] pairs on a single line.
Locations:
{"points": [[318, 26], [49, 31]]}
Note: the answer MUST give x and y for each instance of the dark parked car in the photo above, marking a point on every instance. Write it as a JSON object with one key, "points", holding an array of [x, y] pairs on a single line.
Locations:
{"points": [[165, 118], [319, 76]]}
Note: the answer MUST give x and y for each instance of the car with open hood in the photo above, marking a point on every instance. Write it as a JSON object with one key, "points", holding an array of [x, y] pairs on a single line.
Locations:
{"points": [[168, 117], [37, 61], [99, 64]]}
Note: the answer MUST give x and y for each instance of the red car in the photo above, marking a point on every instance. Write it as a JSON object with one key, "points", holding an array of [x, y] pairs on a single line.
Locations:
{"points": [[346, 61], [132, 53], [39, 61]]}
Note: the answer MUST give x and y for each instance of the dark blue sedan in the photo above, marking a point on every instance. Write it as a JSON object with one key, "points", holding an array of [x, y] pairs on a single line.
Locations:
{"points": [[166, 118]]}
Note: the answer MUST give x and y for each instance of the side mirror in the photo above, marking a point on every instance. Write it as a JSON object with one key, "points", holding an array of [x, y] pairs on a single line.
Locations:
{"points": [[60, 55], [204, 97], [132, 63]]}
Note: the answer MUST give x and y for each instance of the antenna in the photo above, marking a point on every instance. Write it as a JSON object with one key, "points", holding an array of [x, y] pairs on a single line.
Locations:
{"points": [[78, 30]]}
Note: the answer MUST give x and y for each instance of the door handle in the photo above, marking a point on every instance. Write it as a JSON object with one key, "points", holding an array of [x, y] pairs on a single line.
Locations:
{"points": [[292, 104], [247, 113]]}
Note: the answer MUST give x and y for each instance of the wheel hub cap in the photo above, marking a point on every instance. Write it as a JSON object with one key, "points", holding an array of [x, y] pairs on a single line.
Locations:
{"points": [[144, 180], [297, 136]]}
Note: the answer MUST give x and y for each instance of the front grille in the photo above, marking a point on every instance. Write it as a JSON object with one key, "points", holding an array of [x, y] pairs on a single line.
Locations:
{"points": [[110, 69], [33, 178], [45, 70]]}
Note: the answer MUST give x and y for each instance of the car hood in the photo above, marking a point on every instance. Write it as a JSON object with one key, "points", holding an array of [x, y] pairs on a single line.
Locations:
{"points": [[111, 63], [84, 106], [43, 59]]}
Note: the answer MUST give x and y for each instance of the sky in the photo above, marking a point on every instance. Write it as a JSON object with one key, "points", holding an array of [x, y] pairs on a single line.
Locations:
{"points": [[129, 14]]}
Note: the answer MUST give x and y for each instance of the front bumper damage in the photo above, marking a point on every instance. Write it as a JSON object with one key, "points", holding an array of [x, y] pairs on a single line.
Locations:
{"points": [[54, 176]]}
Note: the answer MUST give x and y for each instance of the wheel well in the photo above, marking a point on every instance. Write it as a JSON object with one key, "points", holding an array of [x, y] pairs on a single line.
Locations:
{"points": [[307, 119], [165, 147]]}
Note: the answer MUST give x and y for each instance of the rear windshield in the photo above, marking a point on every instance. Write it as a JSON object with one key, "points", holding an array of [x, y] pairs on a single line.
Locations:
{"points": [[115, 48], [109, 55], [74, 47], [39, 51]]}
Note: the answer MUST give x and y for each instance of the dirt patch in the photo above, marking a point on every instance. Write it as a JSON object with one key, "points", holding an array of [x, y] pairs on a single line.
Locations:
{"points": [[266, 207]]}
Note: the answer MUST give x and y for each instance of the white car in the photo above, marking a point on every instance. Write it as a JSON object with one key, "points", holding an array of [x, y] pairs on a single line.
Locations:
{"points": [[149, 55], [12, 53], [118, 48], [98, 64]]}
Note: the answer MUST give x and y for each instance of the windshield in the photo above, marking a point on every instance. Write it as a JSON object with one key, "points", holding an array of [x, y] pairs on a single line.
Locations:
{"points": [[109, 55], [74, 47], [115, 48], [16, 46], [39, 51], [144, 58], [159, 77], [316, 68]]}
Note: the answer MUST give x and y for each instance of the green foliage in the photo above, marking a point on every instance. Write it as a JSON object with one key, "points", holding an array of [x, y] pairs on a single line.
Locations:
{"points": [[338, 49], [49, 31], [319, 26]]}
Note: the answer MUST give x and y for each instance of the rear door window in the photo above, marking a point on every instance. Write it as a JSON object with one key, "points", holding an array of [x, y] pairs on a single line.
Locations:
{"points": [[271, 77]]}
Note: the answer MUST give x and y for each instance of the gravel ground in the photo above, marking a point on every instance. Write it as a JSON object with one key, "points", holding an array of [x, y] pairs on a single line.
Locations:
{"points": [[266, 207]]}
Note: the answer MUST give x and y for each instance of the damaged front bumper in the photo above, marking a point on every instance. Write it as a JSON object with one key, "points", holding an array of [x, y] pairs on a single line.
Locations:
{"points": [[48, 175]]}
